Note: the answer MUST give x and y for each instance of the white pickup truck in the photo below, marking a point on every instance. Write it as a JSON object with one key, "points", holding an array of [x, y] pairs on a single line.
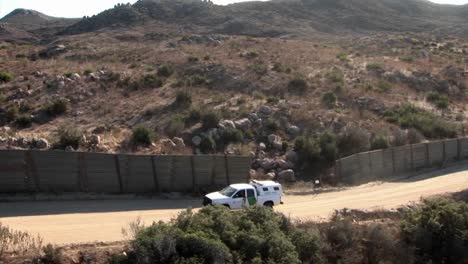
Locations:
{"points": [[237, 196]]}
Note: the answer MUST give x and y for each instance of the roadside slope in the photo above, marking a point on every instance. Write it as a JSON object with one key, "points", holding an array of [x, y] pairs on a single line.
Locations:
{"points": [[86, 221]]}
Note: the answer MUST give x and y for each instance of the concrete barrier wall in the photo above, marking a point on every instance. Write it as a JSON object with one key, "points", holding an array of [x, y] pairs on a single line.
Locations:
{"points": [[58, 171], [400, 161]]}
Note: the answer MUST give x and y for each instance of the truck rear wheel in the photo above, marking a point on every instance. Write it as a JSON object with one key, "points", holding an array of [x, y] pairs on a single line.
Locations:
{"points": [[227, 206], [268, 204]]}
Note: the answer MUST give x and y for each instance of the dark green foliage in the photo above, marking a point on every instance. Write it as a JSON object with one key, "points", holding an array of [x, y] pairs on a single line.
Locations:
{"points": [[439, 100], [298, 86], [56, 107], [12, 113], [5, 77], [176, 126], [24, 121], [141, 136], [231, 135], [165, 70], [439, 230], [383, 86], [259, 68], [150, 81], [353, 140], [217, 235], [329, 99], [194, 116], [335, 76], [379, 142], [210, 120], [308, 149], [430, 125], [68, 136], [208, 145], [183, 99], [271, 125], [342, 56], [328, 148]]}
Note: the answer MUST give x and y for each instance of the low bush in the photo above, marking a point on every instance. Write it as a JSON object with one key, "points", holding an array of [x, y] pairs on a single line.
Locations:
{"points": [[438, 229], [335, 76], [298, 85], [383, 86], [24, 121], [18, 242], [183, 100], [165, 70], [258, 68], [353, 140], [176, 126], [196, 80], [414, 136], [342, 56], [379, 142], [374, 67], [12, 113], [439, 100], [150, 81], [329, 99], [210, 120], [56, 107], [142, 136], [217, 235], [430, 125], [231, 135], [208, 145], [194, 116], [5, 77], [271, 125], [68, 136]]}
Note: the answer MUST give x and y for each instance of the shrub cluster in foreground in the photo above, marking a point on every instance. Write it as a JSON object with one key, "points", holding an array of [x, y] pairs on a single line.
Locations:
{"points": [[433, 232]]}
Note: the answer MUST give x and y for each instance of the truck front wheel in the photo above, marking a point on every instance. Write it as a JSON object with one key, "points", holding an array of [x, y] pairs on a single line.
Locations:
{"points": [[268, 204], [227, 206]]}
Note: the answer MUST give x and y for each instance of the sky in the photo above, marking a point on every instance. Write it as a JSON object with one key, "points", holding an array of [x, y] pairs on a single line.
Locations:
{"points": [[66, 8]]}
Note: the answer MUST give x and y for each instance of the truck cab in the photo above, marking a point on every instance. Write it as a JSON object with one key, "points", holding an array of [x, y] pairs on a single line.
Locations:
{"points": [[237, 196]]}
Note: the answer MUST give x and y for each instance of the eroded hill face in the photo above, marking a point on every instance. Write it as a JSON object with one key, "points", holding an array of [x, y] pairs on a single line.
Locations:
{"points": [[290, 102], [28, 20]]}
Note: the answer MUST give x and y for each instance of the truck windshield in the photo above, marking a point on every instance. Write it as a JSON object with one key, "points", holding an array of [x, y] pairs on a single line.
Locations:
{"points": [[228, 191]]}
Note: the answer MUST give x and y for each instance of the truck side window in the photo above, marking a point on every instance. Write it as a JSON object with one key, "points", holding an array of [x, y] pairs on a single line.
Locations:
{"points": [[250, 193], [265, 189], [240, 194], [276, 188]]}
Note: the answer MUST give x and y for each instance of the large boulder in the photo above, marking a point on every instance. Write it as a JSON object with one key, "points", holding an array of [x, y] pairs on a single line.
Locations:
{"points": [[267, 164], [292, 156], [294, 130], [42, 143], [286, 176], [196, 140], [243, 124], [265, 110]]}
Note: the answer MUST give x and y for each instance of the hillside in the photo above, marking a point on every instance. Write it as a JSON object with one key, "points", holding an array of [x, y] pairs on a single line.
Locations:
{"points": [[28, 20], [301, 17], [302, 88]]}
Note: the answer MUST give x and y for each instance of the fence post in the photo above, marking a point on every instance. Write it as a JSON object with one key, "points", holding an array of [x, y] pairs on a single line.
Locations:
{"points": [[32, 169], [458, 149], [213, 170], [226, 165], [412, 157], [393, 162], [155, 175], [119, 174], [428, 160], [444, 157], [171, 174]]}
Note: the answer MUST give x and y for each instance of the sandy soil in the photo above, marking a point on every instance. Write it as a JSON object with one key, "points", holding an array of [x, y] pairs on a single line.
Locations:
{"points": [[87, 221]]}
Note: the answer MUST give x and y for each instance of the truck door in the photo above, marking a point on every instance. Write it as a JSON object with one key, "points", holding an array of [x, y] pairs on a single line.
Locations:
{"points": [[238, 199], [251, 199]]}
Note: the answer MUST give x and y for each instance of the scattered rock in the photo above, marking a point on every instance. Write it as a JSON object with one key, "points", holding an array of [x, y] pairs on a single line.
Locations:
{"points": [[76, 77], [261, 146], [252, 174], [243, 124], [273, 138], [95, 140], [179, 142], [286, 176], [227, 124], [265, 110], [52, 51], [267, 164], [284, 165], [196, 140], [42, 143], [292, 156], [294, 130], [69, 148], [270, 176]]}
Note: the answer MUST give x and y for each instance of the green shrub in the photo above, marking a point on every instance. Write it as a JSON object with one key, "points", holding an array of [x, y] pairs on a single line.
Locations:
{"points": [[5, 77], [353, 140], [438, 228], [12, 113], [24, 121], [328, 147], [165, 70], [217, 235], [176, 126], [342, 56], [271, 125], [308, 149], [379, 142], [196, 80], [194, 116], [439, 100], [278, 67], [258, 68], [210, 120], [383, 86], [252, 54], [335, 76], [298, 85], [430, 125], [231, 135], [150, 81], [141, 136], [56, 107], [183, 99], [329, 99], [374, 67], [208, 145], [68, 136]]}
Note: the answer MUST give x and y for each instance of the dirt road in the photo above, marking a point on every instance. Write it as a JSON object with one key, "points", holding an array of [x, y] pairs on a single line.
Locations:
{"points": [[88, 221]]}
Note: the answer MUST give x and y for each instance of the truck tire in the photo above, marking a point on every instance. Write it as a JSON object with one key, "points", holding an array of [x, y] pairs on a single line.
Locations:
{"points": [[227, 206], [268, 204]]}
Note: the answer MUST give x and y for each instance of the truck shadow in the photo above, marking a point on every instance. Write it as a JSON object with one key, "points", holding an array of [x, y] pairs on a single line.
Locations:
{"points": [[37, 208]]}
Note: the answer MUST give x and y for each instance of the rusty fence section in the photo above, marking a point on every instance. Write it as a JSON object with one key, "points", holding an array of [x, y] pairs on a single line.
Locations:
{"points": [[400, 161], [58, 171]]}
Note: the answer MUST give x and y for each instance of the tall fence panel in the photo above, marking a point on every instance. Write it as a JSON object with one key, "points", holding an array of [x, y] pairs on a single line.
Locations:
{"points": [[59, 171], [399, 161]]}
